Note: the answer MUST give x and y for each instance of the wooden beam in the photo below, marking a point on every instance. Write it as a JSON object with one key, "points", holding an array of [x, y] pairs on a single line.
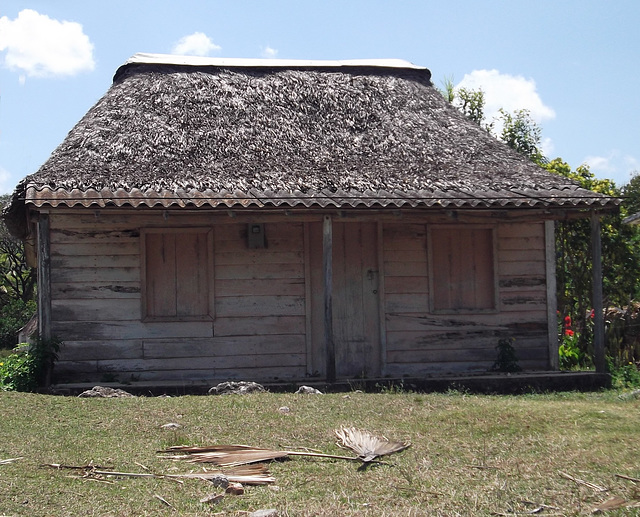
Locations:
{"points": [[327, 268], [552, 300], [598, 318], [44, 277]]}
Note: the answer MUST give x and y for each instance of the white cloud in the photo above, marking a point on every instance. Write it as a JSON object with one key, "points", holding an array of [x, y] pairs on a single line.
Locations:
{"points": [[620, 168], [269, 53], [600, 164], [508, 92], [39, 46], [196, 44]]}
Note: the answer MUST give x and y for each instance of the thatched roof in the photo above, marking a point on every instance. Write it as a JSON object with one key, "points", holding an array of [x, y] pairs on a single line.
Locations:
{"points": [[267, 133]]}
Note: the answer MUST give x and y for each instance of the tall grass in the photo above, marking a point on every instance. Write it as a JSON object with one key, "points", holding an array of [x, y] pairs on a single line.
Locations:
{"points": [[470, 455]]}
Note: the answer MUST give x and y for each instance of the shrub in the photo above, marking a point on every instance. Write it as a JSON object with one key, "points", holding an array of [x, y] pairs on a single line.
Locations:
{"points": [[29, 366], [13, 316]]}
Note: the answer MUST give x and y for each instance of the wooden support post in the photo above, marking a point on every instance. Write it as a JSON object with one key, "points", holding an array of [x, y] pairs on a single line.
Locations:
{"points": [[327, 268], [44, 277], [552, 301], [598, 316]]}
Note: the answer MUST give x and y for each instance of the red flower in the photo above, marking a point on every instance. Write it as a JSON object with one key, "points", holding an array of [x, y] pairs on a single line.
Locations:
{"points": [[568, 332], [593, 313], [567, 321]]}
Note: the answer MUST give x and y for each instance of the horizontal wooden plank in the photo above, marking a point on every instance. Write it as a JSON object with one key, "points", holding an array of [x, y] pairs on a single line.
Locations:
{"points": [[418, 285], [406, 303], [404, 236], [512, 299], [260, 256], [521, 230], [105, 235], [466, 322], [212, 363], [223, 346], [530, 255], [410, 342], [123, 309], [264, 271], [402, 268], [522, 282], [251, 326], [115, 330], [96, 247], [88, 372], [261, 287], [257, 306], [419, 255], [521, 243], [96, 274], [94, 261], [478, 354], [95, 350], [91, 290], [522, 268]]}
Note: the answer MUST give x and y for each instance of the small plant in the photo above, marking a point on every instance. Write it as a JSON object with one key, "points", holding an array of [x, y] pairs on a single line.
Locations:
{"points": [[29, 366], [507, 360], [625, 377], [569, 354]]}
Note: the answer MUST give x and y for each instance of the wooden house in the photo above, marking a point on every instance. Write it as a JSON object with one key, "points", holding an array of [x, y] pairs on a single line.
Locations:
{"points": [[276, 221]]}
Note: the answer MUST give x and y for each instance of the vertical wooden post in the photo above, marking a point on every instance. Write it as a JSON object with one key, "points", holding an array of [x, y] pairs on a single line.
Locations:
{"points": [[552, 300], [327, 267], [598, 317], [44, 277]]}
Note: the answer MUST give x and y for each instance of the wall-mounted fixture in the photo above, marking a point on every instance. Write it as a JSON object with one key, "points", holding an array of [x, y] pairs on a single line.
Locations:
{"points": [[255, 236]]}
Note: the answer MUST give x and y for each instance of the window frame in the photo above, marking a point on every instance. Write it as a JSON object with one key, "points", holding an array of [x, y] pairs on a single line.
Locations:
{"points": [[493, 269], [208, 271]]}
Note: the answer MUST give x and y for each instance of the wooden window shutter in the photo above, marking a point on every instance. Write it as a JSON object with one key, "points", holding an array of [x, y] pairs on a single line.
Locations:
{"points": [[462, 269], [178, 278]]}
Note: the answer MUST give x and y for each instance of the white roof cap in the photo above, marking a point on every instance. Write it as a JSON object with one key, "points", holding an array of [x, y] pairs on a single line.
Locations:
{"points": [[170, 59]]}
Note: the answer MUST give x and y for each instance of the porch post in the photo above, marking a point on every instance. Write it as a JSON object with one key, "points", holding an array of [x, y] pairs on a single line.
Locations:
{"points": [[552, 300], [44, 277], [327, 268], [598, 317]]}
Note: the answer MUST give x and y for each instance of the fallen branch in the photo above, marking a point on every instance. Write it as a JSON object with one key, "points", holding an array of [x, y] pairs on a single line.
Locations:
{"points": [[163, 500], [257, 477], [583, 483], [622, 476], [9, 460]]}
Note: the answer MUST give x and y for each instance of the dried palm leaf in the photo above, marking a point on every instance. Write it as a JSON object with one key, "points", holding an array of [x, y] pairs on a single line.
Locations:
{"points": [[366, 445], [232, 455]]}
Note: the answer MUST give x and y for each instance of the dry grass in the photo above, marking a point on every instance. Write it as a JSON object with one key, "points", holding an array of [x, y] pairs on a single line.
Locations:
{"points": [[470, 455]]}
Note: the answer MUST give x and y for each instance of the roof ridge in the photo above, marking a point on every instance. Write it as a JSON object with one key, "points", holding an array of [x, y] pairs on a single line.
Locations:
{"points": [[181, 60]]}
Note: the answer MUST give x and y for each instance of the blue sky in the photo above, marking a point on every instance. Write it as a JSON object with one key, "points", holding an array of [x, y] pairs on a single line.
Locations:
{"points": [[575, 64]]}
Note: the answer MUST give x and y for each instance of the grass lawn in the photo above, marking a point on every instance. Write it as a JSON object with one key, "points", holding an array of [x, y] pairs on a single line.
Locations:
{"points": [[470, 455]]}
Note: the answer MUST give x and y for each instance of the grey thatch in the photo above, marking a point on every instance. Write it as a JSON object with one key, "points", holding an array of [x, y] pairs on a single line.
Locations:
{"points": [[349, 136]]}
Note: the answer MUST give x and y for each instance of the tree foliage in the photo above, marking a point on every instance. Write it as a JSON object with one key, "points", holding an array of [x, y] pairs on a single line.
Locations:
{"points": [[620, 256], [620, 242], [17, 285], [520, 132]]}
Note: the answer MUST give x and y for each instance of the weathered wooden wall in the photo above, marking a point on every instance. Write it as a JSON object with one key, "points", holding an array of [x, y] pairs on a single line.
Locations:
{"points": [[266, 326], [421, 342], [259, 329]]}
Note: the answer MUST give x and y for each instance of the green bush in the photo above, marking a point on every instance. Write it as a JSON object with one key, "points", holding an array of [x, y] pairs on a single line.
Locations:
{"points": [[625, 377], [29, 366], [13, 316]]}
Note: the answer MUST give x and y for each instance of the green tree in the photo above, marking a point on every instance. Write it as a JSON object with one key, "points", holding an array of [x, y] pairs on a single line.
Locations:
{"points": [[520, 132], [17, 285], [620, 257]]}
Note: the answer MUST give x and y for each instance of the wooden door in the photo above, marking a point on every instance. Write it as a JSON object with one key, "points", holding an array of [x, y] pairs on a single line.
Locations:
{"points": [[356, 328]]}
